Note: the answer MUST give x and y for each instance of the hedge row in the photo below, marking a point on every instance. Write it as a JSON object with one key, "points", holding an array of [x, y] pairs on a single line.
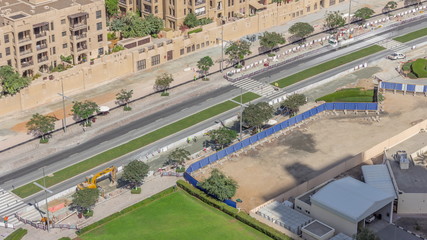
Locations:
{"points": [[126, 210], [17, 235], [241, 216], [419, 68]]}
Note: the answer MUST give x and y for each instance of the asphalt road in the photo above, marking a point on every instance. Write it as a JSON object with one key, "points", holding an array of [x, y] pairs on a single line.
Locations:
{"points": [[147, 124]]}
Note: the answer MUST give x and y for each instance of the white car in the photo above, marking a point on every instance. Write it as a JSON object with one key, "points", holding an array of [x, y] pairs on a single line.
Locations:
{"points": [[396, 56]]}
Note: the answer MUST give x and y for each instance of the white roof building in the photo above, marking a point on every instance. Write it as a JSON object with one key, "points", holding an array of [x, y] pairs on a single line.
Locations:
{"points": [[378, 177]]}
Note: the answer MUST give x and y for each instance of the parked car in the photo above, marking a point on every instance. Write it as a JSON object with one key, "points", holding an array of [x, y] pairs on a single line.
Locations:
{"points": [[370, 219], [396, 56]]}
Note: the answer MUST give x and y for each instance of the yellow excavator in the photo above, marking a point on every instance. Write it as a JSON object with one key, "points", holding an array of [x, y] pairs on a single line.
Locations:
{"points": [[91, 181]]}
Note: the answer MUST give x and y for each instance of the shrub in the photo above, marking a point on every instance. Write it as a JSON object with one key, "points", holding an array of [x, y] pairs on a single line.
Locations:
{"points": [[127, 108], [17, 235], [164, 94], [407, 66], [411, 75], [65, 238], [135, 191], [46, 140], [419, 68], [241, 216], [88, 214], [117, 48], [111, 36], [195, 31], [180, 169], [204, 21]]}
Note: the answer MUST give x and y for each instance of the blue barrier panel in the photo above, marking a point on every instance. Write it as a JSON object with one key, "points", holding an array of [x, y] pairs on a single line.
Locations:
{"points": [[398, 86], [230, 203], [212, 158], [263, 134], [221, 154], [328, 106], [277, 128], [292, 121], [321, 108], [253, 139], [190, 179], [410, 88], [425, 88], [387, 85], [270, 131], [372, 106], [204, 162]]}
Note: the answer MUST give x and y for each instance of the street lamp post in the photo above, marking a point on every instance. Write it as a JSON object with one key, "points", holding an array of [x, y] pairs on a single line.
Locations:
{"points": [[241, 114], [64, 121], [45, 194]]}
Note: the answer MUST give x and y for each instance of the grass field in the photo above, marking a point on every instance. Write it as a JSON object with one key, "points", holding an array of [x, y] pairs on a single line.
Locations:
{"points": [[175, 216], [349, 95], [247, 97], [284, 82], [411, 36], [71, 171]]}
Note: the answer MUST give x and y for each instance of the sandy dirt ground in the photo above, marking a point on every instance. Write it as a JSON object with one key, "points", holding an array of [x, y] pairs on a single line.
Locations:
{"points": [[273, 168]]}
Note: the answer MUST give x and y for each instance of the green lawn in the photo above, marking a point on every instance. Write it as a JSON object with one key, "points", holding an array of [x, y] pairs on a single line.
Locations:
{"points": [[247, 97], [64, 174], [349, 95], [327, 66], [175, 216], [411, 36], [17, 234]]}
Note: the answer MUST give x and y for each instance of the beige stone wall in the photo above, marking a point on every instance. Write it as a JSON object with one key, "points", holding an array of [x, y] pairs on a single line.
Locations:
{"points": [[412, 203], [84, 76]]}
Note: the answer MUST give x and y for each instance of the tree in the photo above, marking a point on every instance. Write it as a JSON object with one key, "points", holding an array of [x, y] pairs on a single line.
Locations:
{"points": [[41, 125], [256, 114], [293, 102], [131, 25], [278, 2], [363, 13], [301, 29], [85, 199], [271, 40], [178, 156], [112, 7], [155, 24], [84, 110], [163, 82], [238, 50], [134, 172], [204, 64], [334, 20], [123, 97], [191, 20], [366, 234], [10, 81], [219, 185], [222, 136], [390, 6], [68, 59]]}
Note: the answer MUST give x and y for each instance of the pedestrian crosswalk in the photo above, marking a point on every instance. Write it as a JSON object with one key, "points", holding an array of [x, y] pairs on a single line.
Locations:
{"points": [[392, 45], [11, 204], [261, 88]]}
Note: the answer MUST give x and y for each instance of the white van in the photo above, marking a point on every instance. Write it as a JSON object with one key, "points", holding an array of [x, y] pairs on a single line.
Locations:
{"points": [[370, 219]]}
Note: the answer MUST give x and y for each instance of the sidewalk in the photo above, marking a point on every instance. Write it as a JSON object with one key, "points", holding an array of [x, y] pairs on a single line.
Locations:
{"points": [[12, 128]]}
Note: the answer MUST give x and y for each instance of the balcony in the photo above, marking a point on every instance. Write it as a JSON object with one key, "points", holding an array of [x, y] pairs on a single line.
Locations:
{"points": [[24, 39], [41, 46], [42, 59], [78, 21], [25, 52], [81, 48], [199, 2], [40, 34], [200, 13], [27, 63], [148, 1]]}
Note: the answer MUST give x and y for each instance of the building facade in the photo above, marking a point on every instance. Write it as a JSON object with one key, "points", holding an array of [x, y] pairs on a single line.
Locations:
{"points": [[34, 34], [173, 12]]}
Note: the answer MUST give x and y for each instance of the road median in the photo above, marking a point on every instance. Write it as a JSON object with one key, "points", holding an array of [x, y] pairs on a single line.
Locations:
{"points": [[113, 153]]}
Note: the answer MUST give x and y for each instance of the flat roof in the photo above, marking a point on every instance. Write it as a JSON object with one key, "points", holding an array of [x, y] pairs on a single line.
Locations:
{"points": [[379, 177], [317, 228], [351, 199], [341, 236]]}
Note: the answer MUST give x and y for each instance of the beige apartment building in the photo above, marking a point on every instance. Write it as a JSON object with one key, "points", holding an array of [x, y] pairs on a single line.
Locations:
{"points": [[35, 33], [173, 12]]}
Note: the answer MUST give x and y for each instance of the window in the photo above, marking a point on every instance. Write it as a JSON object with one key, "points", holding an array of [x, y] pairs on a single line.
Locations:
{"points": [[51, 26], [100, 38], [7, 51], [203, 45], [331, 2], [181, 52], [188, 49], [62, 21], [141, 65], [98, 14], [0, 55], [185, 11], [184, 2], [6, 38], [156, 9], [9, 62], [99, 26], [315, 6], [155, 60], [54, 50], [207, 43], [53, 38], [100, 51], [64, 34], [308, 9], [197, 46], [64, 45]]}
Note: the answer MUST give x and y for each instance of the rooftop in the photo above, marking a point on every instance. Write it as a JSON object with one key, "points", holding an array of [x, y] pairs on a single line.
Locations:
{"points": [[351, 199], [341, 236], [378, 177], [17, 9], [317, 228]]}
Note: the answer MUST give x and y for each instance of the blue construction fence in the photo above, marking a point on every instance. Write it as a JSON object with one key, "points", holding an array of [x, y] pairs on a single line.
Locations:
{"points": [[283, 125], [404, 87]]}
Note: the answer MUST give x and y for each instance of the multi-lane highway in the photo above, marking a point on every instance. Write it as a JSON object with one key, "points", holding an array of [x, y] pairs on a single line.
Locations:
{"points": [[147, 124]]}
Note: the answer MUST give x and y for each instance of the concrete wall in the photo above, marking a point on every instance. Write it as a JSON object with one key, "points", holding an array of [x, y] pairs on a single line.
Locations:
{"points": [[340, 224], [109, 67], [412, 203]]}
